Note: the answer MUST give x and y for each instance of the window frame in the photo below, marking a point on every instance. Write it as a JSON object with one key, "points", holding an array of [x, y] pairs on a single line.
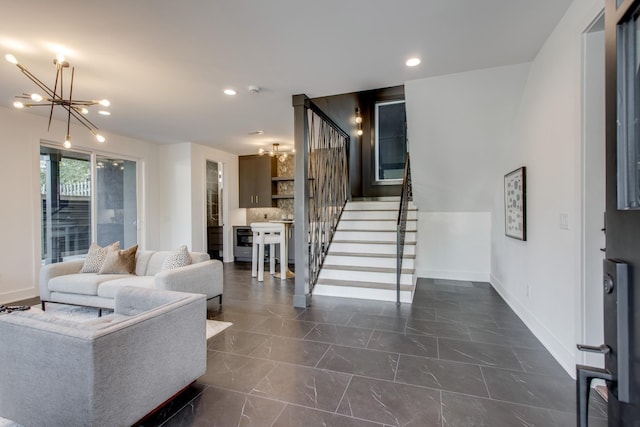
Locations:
{"points": [[376, 143]]}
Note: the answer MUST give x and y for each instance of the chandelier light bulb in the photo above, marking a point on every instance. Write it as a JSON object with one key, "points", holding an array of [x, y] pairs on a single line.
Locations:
{"points": [[11, 58], [36, 97], [67, 142], [60, 57], [84, 111], [100, 138], [358, 119], [261, 151], [18, 104], [359, 132], [104, 102]]}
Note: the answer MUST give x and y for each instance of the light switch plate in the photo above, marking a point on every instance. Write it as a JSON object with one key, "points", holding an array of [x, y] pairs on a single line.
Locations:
{"points": [[564, 221]]}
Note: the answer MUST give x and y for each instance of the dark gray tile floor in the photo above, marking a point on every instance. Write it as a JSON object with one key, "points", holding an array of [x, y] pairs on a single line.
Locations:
{"points": [[457, 356]]}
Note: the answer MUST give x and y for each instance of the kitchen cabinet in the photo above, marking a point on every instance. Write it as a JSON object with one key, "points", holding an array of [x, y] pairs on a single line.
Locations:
{"points": [[255, 181]]}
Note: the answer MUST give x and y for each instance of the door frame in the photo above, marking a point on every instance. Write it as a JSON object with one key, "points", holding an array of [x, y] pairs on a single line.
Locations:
{"points": [[584, 335]]}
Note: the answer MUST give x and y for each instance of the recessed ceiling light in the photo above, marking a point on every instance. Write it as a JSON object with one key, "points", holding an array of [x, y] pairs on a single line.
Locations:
{"points": [[230, 92], [257, 132], [104, 113], [412, 62]]}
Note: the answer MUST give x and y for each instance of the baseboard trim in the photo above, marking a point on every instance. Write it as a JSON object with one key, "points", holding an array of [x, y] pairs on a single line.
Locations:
{"points": [[21, 294], [564, 356], [473, 276]]}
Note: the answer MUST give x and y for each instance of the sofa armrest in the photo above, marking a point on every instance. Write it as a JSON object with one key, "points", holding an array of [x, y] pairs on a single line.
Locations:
{"points": [[131, 300], [200, 278], [50, 271]]}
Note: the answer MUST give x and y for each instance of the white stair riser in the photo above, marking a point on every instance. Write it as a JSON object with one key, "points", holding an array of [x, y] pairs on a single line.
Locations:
{"points": [[357, 261], [376, 236], [389, 225], [365, 276], [362, 293], [363, 248], [391, 215]]}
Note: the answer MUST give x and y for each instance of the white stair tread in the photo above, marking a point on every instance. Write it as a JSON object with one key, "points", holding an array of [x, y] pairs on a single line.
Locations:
{"points": [[373, 242], [373, 285], [371, 255], [366, 269]]}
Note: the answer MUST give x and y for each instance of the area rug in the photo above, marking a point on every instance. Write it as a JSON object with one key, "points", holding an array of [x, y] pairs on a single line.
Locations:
{"points": [[80, 314]]}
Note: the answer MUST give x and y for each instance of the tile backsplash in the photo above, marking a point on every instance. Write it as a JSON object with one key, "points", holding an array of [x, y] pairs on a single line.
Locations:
{"points": [[259, 214]]}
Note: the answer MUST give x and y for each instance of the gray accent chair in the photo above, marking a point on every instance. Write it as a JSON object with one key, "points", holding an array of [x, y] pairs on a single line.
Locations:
{"points": [[109, 371]]}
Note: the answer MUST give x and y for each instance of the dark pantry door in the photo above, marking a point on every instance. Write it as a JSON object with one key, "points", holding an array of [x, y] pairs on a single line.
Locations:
{"points": [[622, 313]]}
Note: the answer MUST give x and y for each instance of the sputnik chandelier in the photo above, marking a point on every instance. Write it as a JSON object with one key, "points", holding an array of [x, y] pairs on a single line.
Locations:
{"points": [[55, 97], [275, 152]]}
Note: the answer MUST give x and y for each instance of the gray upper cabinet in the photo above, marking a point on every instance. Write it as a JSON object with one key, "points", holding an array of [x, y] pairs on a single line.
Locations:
{"points": [[255, 180]]}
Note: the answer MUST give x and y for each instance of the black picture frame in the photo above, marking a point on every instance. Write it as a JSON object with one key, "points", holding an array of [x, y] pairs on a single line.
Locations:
{"points": [[515, 204]]}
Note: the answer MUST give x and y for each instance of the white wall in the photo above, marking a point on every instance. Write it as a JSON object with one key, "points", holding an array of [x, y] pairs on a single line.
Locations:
{"points": [[20, 140], [457, 126], [540, 278], [183, 206], [454, 245], [175, 206]]}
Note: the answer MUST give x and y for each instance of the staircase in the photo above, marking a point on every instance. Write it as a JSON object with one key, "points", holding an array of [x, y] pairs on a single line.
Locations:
{"points": [[361, 261]]}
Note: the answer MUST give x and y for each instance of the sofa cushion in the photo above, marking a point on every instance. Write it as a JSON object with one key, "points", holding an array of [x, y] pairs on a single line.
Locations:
{"points": [[155, 262], [80, 283], [177, 259], [142, 262], [108, 289], [96, 256], [120, 262]]}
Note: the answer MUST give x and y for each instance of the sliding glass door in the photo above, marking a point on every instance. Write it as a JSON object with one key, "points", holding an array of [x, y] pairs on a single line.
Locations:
{"points": [[116, 207], [75, 212], [65, 198]]}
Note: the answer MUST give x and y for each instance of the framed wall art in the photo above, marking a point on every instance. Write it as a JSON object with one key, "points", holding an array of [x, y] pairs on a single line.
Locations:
{"points": [[515, 204]]}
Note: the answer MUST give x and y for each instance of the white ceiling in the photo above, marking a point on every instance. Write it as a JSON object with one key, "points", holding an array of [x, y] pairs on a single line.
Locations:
{"points": [[163, 64]]}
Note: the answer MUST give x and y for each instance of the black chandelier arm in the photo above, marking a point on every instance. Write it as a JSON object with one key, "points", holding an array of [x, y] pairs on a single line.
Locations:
{"points": [[83, 120], [73, 72], [37, 81], [53, 97]]}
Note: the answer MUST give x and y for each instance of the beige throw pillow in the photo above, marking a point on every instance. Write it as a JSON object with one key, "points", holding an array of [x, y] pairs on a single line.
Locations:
{"points": [[179, 258], [96, 256], [120, 262]]}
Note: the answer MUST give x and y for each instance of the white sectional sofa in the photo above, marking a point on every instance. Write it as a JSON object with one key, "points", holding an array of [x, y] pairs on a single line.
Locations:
{"points": [[64, 283], [110, 371]]}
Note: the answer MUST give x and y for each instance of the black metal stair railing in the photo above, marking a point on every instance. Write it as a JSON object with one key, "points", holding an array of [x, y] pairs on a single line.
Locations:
{"points": [[321, 190], [405, 196]]}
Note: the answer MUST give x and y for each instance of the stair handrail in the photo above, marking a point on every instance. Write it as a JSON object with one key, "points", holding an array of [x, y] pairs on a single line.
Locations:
{"points": [[401, 227], [321, 190]]}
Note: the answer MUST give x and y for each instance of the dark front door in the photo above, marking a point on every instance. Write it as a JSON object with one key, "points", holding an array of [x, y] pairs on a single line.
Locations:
{"points": [[622, 303]]}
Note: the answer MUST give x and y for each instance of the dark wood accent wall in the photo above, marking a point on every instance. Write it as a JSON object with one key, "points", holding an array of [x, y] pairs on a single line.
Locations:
{"points": [[342, 109]]}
